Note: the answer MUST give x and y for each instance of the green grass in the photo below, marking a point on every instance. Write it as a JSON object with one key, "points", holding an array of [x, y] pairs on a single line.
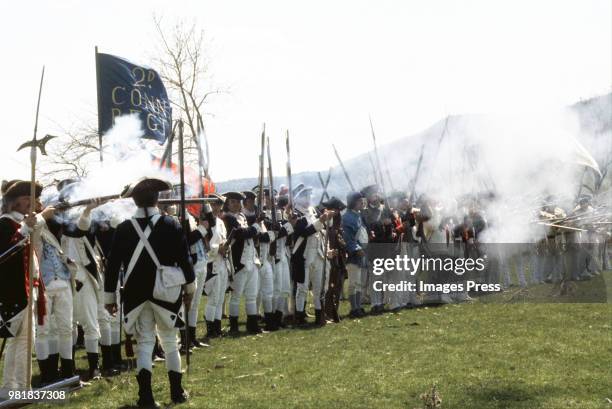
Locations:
{"points": [[481, 355]]}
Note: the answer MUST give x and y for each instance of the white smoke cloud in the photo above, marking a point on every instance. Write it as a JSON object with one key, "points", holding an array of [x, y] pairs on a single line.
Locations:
{"points": [[127, 158]]}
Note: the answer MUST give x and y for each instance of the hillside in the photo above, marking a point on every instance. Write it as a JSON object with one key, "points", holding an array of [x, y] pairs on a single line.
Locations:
{"points": [[470, 152]]}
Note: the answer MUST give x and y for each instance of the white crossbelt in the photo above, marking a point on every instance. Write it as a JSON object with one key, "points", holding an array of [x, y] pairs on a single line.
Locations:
{"points": [[141, 244]]}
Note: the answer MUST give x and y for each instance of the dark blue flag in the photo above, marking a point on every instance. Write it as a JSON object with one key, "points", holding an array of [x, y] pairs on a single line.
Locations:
{"points": [[125, 88]]}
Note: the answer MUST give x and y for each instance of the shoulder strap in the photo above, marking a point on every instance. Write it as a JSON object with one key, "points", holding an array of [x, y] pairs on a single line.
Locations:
{"points": [[145, 240], [141, 243]]}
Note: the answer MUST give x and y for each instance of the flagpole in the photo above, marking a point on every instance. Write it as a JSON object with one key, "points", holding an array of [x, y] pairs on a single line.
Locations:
{"points": [[99, 96], [185, 225]]}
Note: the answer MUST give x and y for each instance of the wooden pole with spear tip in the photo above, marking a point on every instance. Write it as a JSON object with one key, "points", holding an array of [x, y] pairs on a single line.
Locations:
{"points": [[348, 179], [33, 144]]}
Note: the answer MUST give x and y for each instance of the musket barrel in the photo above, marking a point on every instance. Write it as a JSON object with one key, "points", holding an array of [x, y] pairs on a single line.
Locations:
{"points": [[84, 202], [188, 200]]}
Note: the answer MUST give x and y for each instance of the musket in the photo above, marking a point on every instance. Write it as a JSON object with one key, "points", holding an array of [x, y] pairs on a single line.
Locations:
{"points": [[261, 172], [348, 179], [323, 278], [170, 201], [416, 176], [33, 144], [188, 200], [63, 205], [13, 249], [271, 184], [374, 172], [185, 225], [271, 196], [289, 182], [562, 226], [382, 179]]}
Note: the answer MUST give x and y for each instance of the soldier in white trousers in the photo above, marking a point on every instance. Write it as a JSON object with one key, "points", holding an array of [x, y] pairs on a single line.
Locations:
{"points": [[244, 259], [307, 254], [217, 268], [148, 243]]}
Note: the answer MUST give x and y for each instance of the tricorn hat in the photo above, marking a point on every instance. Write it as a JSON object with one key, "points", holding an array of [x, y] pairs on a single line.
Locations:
{"points": [[234, 195], [16, 188], [334, 203], [219, 198], [352, 198], [64, 183], [145, 184], [248, 194], [370, 190]]}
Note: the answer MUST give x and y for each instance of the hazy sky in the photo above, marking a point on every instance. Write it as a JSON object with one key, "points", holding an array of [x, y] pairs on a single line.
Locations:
{"points": [[317, 67]]}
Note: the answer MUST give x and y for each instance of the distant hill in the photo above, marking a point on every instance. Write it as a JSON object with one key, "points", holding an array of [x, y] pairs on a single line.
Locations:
{"points": [[463, 150]]}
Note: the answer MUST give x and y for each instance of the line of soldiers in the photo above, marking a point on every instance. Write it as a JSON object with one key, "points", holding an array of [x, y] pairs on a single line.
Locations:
{"points": [[146, 276]]}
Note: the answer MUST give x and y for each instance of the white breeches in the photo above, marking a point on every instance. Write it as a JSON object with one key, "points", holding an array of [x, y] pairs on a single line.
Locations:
{"points": [[266, 290], [144, 333], [192, 315], [86, 310], [313, 275], [245, 282], [282, 283], [215, 288], [57, 323]]}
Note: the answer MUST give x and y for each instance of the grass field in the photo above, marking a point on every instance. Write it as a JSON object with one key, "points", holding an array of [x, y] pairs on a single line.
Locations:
{"points": [[480, 355]]}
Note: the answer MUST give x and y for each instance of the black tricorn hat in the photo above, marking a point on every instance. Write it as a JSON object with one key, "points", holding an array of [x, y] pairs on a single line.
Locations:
{"points": [[234, 195], [146, 184], [16, 188], [282, 201], [352, 198], [334, 203], [266, 190], [248, 194], [64, 183], [220, 198], [369, 190]]}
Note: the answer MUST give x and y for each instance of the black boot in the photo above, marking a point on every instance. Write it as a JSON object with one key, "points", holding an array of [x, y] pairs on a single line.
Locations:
{"points": [[94, 369], [270, 322], [108, 363], [234, 332], [118, 363], [319, 318], [278, 318], [145, 394], [253, 325], [52, 368], [300, 319], [67, 370], [210, 330], [177, 393], [43, 366], [192, 339], [217, 328]]}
